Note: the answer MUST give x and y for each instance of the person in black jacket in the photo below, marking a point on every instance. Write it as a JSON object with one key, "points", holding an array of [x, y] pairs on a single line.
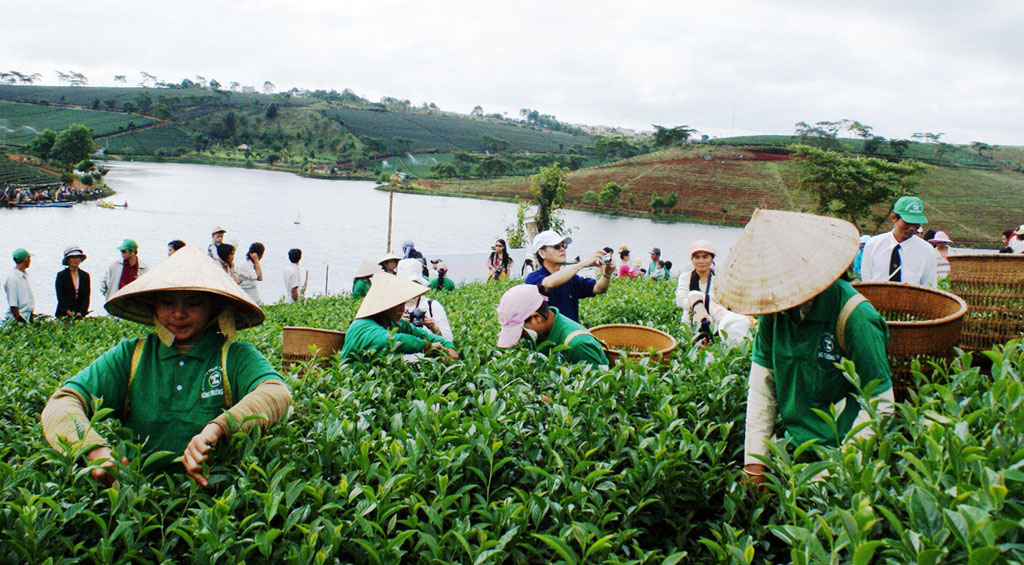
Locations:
{"points": [[73, 288]]}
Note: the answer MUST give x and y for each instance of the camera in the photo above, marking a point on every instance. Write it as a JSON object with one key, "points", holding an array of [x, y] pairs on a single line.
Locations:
{"points": [[416, 317], [607, 258]]}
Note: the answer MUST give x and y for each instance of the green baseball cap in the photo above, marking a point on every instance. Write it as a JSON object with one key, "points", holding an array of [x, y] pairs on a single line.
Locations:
{"points": [[20, 255], [911, 209], [128, 245]]}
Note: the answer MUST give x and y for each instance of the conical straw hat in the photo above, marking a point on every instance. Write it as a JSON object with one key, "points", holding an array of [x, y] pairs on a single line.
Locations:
{"points": [[188, 269], [387, 292], [368, 268], [783, 259], [389, 257]]}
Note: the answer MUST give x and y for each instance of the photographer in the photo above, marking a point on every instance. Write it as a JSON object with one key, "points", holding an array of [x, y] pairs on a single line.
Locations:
{"points": [[563, 286], [423, 312], [695, 295]]}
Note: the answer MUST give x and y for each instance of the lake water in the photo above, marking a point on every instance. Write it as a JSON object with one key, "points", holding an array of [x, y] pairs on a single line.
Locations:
{"points": [[341, 223]]}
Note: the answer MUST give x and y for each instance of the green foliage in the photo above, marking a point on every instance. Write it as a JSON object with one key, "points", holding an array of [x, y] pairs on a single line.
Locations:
{"points": [[13, 172], [848, 187], [515, 233], [610, 195], [510, 456], [548, 188], [663, 203], [666, 137], [87, 179], [42, 144], [24, 120], [72, 145], [271, 112]]}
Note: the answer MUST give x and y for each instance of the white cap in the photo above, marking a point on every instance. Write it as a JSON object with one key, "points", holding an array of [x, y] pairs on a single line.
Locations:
{"points": [[411, 269], [548, 237]]}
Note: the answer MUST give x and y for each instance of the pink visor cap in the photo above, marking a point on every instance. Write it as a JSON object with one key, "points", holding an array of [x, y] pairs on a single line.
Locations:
{"points": [[515, 307]]}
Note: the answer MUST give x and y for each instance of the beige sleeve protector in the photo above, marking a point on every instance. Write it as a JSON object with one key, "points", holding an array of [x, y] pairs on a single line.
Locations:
{"points": [[64, 416], [270, 400], [760, 414]]}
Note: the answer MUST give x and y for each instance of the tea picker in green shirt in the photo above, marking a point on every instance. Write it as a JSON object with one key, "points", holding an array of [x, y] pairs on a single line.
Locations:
{"points": [[786, 267], [182, 388], [524, 311], [441, 281], [379, 327]]}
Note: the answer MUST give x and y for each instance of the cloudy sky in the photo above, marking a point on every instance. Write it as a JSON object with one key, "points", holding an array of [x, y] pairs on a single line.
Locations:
{"points": [[724, 67]]}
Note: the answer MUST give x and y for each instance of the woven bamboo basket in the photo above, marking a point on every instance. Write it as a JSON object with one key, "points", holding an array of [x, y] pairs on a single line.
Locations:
{"points": [[634, 341], [296, 342], [993, 286], [924, 324]]}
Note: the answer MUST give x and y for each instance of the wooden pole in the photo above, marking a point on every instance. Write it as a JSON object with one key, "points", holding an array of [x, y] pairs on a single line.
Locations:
{"points": [[327, 279], [391, 207]]}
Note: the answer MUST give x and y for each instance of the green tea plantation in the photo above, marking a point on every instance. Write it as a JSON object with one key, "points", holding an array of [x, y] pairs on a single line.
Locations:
{"points": [[511, 457]]}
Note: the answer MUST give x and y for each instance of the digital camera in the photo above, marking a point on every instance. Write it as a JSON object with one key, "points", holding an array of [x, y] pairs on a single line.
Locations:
{"points": [[416, 317]]}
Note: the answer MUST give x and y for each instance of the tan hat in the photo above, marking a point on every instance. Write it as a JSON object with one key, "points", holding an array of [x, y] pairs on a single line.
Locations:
{"points": [[387, 292], [783, 259], [188, 269], [367, 269], [389, 257], [216, 230]]}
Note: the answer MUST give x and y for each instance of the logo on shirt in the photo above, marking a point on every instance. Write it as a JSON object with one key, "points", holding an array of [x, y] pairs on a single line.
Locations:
{"points": [[827, 349], [212, 383]]}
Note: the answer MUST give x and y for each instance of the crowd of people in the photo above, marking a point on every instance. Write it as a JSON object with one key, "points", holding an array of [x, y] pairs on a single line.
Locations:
{"points": [[784, 285], [15, 194]]}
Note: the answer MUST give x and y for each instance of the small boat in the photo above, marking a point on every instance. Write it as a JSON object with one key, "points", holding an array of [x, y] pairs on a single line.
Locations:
{"points": [[298, 219], [46, 205], [111, 205]]}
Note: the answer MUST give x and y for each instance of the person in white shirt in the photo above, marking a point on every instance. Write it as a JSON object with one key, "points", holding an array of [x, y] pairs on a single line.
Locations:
{"points": [[899, 255], [431, 313], [940, 241], [250, 271], [217, 235], [19, 294], [293, 278]]}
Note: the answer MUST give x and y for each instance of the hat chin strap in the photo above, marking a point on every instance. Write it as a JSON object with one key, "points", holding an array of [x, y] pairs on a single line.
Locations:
{"points": [[225, 323]]}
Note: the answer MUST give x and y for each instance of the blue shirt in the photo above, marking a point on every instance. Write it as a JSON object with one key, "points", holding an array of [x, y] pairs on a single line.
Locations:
{"points": [[566, 297]]}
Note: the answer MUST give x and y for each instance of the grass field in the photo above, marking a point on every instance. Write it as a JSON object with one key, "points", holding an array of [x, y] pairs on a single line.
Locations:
{"points": [[19, 123], [446, 133], [85, 96], [14, 172]]}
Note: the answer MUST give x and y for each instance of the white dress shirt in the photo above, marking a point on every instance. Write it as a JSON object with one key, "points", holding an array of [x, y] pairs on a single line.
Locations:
{"points": [[918, 260]]}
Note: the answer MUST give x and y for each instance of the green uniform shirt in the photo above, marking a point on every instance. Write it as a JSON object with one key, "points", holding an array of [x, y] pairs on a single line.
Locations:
{"points": [[365, 335], [448, 284], [803, 356], [360, 288], [583, 348], [173, 396]]}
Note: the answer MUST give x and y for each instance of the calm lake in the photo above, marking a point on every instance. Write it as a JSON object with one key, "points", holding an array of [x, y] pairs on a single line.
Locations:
{"points": [[337, 224]]}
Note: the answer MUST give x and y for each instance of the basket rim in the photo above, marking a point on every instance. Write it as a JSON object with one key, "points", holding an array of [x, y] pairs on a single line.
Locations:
{"points": [[305, 328], [960, 312], [989, 256], [674, 342]]}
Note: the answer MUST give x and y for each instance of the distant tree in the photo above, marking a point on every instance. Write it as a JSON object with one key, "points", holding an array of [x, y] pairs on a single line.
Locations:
{"points": [[143, 101], [271, 112], [201, 81], [464, 161], [549, 188], [235, 86], [7, 78], [493, 166], [492, 143], [860, 130], [224, 129], [42, 144], [933, 137], [214, 85], [62, 77], [128, 106], [477, 112], [375, 144], [110, 103], [72, 145], [665, 137], [574, 162], [981, 147], [187, 83], [610, 195], [272, 158], [823, 135], [848, 187], [200, 141], [147, 79], [444, 170], [268, 87], [401, 145], [121, 79], [77, 79], [899, 147], [87, 180], [161, 111], [616, 147], [874, 144], [96, 104]]}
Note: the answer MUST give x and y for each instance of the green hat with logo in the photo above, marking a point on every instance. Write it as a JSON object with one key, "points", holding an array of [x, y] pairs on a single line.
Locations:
{"points": [[911, 209], [128, 245], [20, 255]]}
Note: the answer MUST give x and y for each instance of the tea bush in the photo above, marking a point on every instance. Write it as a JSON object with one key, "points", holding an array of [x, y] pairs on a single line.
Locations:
{"points": [[509, 456]]}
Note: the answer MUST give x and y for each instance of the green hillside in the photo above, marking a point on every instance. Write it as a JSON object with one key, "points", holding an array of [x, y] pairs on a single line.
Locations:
{"points": [[19, 123], [723, 184], [14, 173]]}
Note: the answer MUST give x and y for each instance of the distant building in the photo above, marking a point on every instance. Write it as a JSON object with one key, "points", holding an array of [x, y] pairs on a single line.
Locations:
{"points": [[249, 89]]}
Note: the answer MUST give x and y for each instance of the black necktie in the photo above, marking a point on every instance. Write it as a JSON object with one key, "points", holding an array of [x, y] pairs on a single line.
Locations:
{"points": [[894, 265]]}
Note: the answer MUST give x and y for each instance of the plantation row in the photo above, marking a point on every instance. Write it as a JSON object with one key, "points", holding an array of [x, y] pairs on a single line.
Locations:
{"points": [[148, 141], [14, 172], [87, 95], [510, 457], [37, 118], [449, 133]]}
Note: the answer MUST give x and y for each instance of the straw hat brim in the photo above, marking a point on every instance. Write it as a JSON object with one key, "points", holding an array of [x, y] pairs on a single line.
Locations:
{"points": [[367, 268], [783, 259], [188, 269], [389, 257], [387, 292]]}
